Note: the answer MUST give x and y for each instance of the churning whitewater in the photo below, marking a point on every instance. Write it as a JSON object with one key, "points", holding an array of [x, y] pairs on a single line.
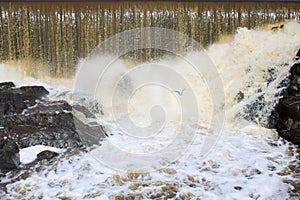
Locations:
{"points": [[245, 161]]}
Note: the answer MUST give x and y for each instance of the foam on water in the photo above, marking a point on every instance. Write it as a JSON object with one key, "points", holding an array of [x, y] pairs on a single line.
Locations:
{"points": [[246, 162], [239, 167]]}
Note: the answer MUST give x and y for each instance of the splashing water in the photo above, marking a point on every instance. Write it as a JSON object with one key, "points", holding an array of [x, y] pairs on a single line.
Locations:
{"points": [[254, 65], [245, 158]]}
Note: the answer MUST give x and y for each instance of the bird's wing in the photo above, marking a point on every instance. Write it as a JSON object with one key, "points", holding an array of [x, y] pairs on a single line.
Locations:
{"points": [[177, 92]]}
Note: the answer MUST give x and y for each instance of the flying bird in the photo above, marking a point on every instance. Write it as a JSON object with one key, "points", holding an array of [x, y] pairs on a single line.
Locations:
{"points": [[180, 93]]}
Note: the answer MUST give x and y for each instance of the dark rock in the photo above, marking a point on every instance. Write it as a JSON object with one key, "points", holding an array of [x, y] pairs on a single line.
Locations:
{"points": [[21, 129], [273, 120], [49, 107], [46, 155], [6, 86], [11, 103], [26, 136], [90, 134], [29, 120], [292, 90], [289, 124], [9, 158], [2, 132], [298, 53], [288, 109], [32, 92], [62, 105], [43, 126], [291, 135], [15, 100], [42, 116], [286, 114], [295, 69], [9, 154], [237, 187]]}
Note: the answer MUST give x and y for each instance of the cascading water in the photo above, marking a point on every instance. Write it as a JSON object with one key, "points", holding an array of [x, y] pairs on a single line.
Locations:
{"points": [[49, 38], [262, 60], [260, 71]]}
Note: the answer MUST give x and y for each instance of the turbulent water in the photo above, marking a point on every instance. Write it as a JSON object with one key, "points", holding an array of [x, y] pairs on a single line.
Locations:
{"points": [[244, 160]]}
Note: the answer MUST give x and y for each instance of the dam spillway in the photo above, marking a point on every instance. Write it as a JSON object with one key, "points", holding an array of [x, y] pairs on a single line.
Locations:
{"points": [[51, 37]]}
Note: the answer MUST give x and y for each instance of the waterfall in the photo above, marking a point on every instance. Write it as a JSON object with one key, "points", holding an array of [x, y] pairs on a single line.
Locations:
{"points": [[50, 38]]}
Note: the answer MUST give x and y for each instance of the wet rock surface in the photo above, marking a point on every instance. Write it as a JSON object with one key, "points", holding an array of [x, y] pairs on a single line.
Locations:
{"points": [[14, 100], [48, 155], [287, 111], [27, 118], [9, 154]]}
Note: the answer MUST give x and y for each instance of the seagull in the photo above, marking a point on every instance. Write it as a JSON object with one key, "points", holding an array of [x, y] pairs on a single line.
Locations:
{"points": [[180, 93]]}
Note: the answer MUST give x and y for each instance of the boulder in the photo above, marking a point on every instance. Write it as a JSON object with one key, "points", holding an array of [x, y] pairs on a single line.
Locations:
{"points": [[32, 92], [9, 154], [6, 85], [287, 111], [90, 134], [46, 123], [28, 119], [15, 100], [46, 155]]}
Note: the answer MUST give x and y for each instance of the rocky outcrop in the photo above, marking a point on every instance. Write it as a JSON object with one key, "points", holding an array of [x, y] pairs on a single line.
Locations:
{"points": [[287, 111], [15, 100], [27, 118], [46, 123]]}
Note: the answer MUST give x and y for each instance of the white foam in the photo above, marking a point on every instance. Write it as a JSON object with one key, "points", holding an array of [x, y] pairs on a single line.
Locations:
{"points": [[28, 155], [237, 161]]}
